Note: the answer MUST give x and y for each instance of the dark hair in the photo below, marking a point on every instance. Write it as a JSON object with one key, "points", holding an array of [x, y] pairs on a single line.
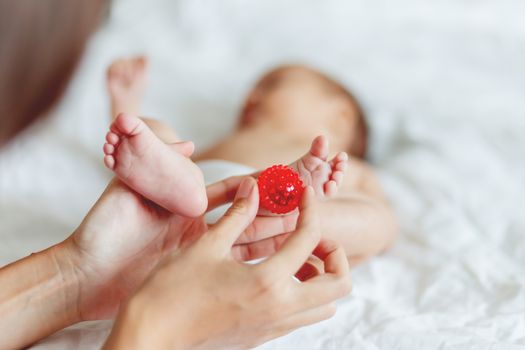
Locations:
{"points": [[359, 139], [41, 43], [359, 143], [358, 146]]}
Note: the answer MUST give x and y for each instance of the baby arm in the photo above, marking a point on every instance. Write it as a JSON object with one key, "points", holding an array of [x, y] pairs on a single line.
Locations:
{"points": [[354, 212], [359, 216]]}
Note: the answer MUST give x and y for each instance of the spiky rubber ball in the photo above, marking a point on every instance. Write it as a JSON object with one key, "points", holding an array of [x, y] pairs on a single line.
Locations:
{"points": [[280, 189]]}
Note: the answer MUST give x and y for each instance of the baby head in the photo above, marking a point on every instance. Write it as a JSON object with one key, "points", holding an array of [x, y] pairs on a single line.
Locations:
{"points": [[305, 102]]}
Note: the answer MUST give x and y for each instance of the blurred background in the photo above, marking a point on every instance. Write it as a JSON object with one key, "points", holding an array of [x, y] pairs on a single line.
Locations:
{"points": [[443, 85]]}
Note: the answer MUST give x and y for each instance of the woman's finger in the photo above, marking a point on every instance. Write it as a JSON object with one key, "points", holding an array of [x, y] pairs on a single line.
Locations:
{"points": [[260, 249], [264, 227], [311, 268], [222, 192], [319, 290], [335, 283], [239, 215], [298, 247], [333, 256]]}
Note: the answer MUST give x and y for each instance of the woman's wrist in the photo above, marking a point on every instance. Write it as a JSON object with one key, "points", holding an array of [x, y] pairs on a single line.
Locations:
{"points": [[39, 295], [67, 264], [60, 284]]}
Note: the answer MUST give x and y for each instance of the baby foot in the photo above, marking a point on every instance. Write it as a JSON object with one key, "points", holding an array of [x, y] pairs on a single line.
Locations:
{"points": [[126, 82], [161, 172], [316, 171]]}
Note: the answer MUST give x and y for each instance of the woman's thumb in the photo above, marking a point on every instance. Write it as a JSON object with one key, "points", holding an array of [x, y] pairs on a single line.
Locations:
{"points": [[240, 215]]}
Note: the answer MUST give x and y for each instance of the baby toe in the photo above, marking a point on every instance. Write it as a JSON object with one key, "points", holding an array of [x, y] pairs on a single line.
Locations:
{"points": [[337, 177], [320, 147], [330, 188], [342, 156], [109, 149], [341, 166], [109, 161], [127, 125], [112, 138]]}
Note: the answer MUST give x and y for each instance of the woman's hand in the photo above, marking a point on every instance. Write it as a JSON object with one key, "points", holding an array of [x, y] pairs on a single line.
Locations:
{"points": [[123, 238], [201, 297], [120, 241], [89, 274]]}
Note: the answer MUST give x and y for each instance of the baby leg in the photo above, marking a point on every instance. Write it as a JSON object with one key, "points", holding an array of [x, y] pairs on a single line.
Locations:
{"points": [[126, 83], [160, 172]]}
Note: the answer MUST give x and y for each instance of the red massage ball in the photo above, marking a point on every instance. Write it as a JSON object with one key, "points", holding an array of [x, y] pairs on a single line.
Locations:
{"points": [[280, 189]]}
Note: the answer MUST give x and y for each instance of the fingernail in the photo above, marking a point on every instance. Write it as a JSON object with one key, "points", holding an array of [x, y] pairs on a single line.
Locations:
{"points": [[245, 189]]}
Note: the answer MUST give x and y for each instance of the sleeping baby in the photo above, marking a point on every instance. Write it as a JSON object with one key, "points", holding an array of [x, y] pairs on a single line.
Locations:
{"points": [[281, 121]]}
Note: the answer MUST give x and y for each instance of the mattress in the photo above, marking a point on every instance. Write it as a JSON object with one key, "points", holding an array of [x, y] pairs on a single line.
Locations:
{"points": [[443, 86]]}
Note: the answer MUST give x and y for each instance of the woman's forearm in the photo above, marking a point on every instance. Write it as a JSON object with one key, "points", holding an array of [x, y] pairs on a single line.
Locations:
{"points": [[363, 225], [38, 296]]}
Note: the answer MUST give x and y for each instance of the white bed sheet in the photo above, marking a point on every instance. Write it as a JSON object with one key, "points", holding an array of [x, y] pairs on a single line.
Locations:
{"points": [[443, 82]]}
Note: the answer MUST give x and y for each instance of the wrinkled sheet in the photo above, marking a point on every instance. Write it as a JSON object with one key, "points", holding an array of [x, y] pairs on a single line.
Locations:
{"points": [[443, 83]]}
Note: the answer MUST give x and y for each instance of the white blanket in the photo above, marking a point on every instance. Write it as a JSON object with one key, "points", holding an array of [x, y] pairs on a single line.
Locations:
{"points": [[443, 82]]}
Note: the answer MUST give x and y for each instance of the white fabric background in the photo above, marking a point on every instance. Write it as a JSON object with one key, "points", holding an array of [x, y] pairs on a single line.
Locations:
{"points": [[443, 82]]}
